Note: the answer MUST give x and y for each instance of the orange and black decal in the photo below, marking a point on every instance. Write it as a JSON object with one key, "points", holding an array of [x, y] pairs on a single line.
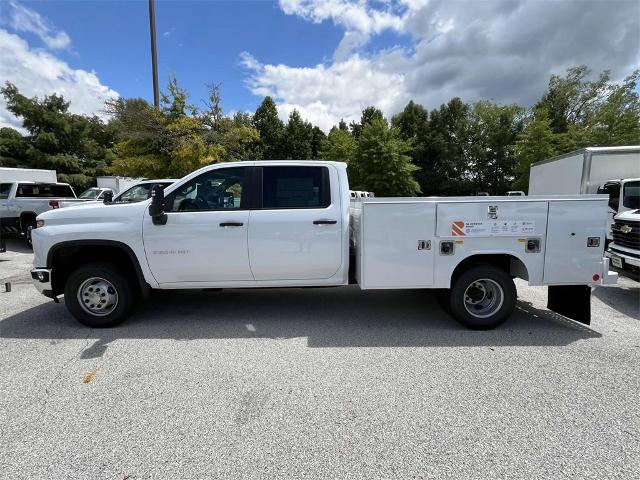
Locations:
{"points": [[457, 229]]}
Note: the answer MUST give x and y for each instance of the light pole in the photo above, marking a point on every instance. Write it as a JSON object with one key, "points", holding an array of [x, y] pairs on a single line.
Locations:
{"points": [[154, 53]]}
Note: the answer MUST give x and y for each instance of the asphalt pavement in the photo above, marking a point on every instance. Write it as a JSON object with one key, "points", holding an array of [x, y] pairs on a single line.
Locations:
{"points": [[316, 383]]}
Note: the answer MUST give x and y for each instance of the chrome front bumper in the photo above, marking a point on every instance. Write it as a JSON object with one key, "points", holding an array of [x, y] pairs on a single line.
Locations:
{"points": [[41, 278]]}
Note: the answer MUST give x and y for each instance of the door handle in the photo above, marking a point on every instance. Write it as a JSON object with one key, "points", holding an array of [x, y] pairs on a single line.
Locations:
{"points": [[231, 224], [325, 222]]}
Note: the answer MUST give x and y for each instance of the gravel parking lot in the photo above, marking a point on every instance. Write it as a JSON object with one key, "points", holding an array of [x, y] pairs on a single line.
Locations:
{"points": [[325, 383]]}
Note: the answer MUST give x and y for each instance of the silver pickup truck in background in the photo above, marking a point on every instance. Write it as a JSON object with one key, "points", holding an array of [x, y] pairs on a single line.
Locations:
{"points": [[22, 202]]}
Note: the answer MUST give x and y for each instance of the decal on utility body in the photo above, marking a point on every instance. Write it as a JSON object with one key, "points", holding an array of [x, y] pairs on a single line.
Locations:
{"points": [[457, 229], [460, 228]]}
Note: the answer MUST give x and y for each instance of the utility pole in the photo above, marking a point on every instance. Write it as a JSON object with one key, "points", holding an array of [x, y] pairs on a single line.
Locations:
{"points": [[154, 52]]}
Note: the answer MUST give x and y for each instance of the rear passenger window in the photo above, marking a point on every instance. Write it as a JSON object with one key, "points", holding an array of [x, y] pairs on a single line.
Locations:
{"points": [[44, 190], [295, 187], [5, 188]]}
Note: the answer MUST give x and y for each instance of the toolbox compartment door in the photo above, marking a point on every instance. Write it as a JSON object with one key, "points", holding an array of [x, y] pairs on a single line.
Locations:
{"points": [[397, 245], [569, 260]]}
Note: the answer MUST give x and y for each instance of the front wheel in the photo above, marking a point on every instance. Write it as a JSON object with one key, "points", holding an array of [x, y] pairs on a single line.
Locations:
{"points": [[98, 295], [483, 297]]}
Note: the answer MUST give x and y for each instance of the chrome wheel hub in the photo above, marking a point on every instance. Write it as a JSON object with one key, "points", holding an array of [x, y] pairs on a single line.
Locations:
{"points": [[97, 296], [483, 298]]}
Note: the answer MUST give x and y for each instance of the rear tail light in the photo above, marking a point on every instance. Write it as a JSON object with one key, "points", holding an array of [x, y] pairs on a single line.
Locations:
{"points": [[54, 204]]}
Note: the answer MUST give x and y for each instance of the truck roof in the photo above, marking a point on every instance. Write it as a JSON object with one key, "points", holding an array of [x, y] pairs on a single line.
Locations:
{"points": [[30, 182], [621, 149]]}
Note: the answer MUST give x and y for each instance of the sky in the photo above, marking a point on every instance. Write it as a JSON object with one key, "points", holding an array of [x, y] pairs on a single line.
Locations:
{"points": [[326, 58]]}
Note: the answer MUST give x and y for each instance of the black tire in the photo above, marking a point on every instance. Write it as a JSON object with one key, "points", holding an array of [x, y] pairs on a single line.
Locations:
{"points": [[27, 227], [491, 297], [443, 296], [119, 283]]}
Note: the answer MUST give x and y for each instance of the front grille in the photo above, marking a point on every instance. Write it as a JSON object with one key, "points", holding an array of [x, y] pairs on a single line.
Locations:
{"points": [[626, 234]]}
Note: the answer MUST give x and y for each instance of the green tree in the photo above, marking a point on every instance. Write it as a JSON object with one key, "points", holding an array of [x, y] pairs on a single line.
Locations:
{"points": [[491, 158], [411, 121], [270, 128], [617, 120], [298, 138], [535, 144], [13, 148], [381, 164], [317, 140], [369, 114], [444, 146], [339, 146], [585, 112], [236, 135], [166, 142], [78, 147]]}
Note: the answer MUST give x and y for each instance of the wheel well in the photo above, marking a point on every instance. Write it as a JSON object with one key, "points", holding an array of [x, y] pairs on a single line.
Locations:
{"points": [[65, 259], [510, 264]]}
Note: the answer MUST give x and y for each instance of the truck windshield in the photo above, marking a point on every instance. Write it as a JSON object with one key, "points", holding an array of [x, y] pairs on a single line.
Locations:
{"points": [[91, 193], [631, 195]]}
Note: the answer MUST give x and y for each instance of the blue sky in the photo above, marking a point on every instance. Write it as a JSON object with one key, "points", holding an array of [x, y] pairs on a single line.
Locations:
{"points": [[198, 42], [326, 58]]}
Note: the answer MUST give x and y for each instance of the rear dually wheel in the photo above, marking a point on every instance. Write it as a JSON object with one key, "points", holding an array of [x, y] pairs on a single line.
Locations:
{"points": [[483, 297]]}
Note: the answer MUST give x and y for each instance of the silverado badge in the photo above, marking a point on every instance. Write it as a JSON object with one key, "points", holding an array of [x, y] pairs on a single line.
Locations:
{"points": [[625, 229]]}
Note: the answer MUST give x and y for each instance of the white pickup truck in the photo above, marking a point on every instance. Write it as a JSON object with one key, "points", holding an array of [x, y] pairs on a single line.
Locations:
{"points": [[22, 201], [292, 224]]}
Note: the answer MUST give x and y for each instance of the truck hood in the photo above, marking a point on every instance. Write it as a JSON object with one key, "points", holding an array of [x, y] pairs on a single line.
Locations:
{"points": [[93, 212], [631, 215]]}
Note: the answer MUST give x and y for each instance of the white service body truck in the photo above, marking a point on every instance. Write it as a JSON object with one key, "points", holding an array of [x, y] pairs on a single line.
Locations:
{"points": [[293, 224]]}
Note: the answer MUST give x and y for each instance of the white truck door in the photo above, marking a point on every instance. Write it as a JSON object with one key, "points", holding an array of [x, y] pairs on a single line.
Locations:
{"points": [[572, 254], [205, 237], [297, 232]]}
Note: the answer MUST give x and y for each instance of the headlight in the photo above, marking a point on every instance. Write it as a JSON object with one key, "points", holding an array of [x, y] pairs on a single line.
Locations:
{"points": [[39, 223]]}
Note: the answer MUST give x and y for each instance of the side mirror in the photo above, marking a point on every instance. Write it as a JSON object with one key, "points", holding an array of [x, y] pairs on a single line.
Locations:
{"points": [[107, 197], [156, 209]]}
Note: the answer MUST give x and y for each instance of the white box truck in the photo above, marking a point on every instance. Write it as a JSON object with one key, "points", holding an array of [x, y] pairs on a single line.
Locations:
{"points": [[116, 184], [9, 175], [293, 224], [589, 170], [584, 171], [613, 171]]}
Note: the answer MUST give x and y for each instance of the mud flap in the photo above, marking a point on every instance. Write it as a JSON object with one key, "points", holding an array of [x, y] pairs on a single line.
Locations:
{"points": [[571, 301]]}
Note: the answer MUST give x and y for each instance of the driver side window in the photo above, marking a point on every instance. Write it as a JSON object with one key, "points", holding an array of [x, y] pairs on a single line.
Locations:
{"points": [[219, 189]]}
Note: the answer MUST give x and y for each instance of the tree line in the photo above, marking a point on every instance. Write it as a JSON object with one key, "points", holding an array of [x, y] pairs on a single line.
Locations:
{"points": [[459, 148]]}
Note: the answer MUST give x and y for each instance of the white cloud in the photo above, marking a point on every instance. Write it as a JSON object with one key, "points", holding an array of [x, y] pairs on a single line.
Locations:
{"points": [[324, 94], [37, 72], [358, 18], [24, 19], [502, 50]]}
